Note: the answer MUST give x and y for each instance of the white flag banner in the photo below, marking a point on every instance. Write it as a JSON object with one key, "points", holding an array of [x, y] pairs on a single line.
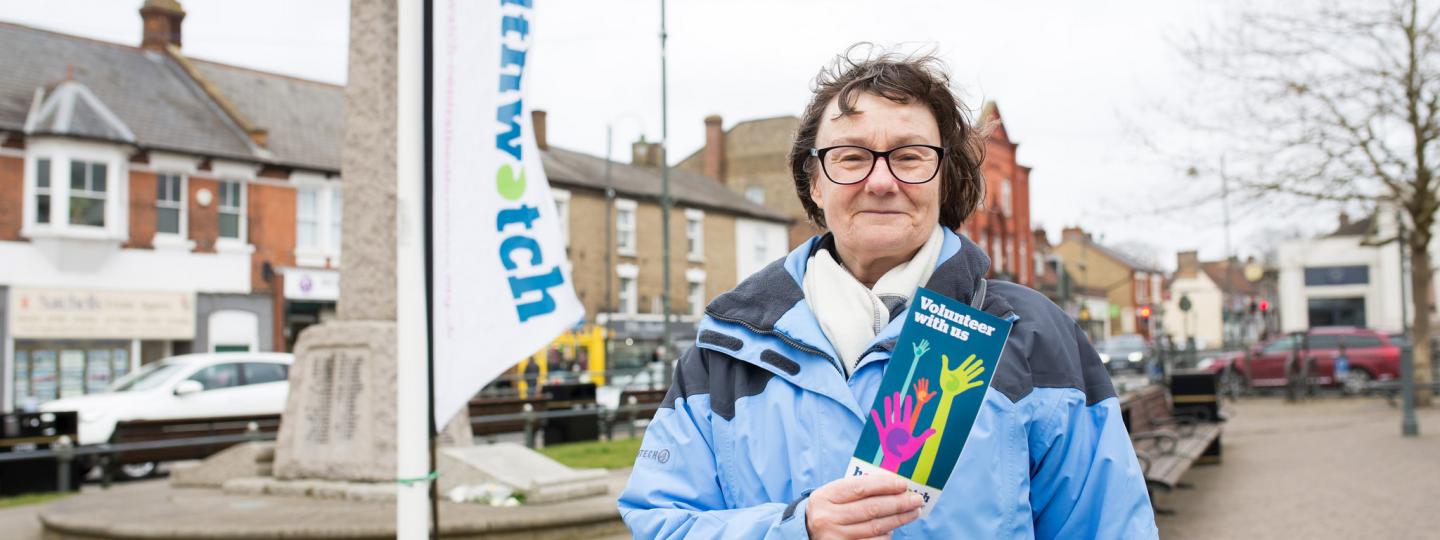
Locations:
{"points": [[501, 282]]}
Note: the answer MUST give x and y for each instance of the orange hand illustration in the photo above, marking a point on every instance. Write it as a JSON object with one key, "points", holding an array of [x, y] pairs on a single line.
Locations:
{"points": [[922, 395]]}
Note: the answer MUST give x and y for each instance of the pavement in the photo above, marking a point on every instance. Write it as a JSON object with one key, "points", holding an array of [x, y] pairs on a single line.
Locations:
{"points": [[1318, 469], [152, 509]]}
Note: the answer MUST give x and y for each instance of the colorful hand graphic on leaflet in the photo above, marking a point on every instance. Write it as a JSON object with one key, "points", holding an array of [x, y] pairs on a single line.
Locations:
{"points": [[922, 396], [953, 382], [896, 440], [918, 351]]}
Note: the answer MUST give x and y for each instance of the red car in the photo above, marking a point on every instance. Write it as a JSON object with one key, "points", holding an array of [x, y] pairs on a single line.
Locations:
{"points": [[1372, 355]]}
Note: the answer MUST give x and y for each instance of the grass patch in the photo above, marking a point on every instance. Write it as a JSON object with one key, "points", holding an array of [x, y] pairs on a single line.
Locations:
{"points": [[31, 498], [616, 454]]}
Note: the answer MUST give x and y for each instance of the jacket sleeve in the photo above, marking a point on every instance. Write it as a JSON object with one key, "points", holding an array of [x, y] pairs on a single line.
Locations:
{"points": [[674, 490], [1085, 479]]}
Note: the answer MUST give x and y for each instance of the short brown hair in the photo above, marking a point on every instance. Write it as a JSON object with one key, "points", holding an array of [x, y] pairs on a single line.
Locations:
{"points": [[901, 79]]}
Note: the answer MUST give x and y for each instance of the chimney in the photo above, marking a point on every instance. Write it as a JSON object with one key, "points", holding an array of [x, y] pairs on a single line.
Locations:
{"points": [[713, 158], [1187, 263], [1344, 220], [645, 154], [537, 123], [1073, 232], [160, 20]]}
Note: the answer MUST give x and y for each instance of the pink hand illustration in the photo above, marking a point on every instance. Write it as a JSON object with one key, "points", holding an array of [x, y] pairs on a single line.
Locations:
{"points": [[896, 441]]}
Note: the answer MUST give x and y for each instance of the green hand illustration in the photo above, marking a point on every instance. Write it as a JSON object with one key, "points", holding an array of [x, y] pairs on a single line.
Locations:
{"points": [[953, 382], [920, 349], [962, 378]]}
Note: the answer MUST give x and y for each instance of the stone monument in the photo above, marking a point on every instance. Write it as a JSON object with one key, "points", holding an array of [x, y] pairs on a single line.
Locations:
{"points": [[340, 418]]}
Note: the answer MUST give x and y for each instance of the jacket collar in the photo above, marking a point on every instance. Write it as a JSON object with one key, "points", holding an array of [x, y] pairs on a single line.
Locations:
{"points": [[772, 303]]}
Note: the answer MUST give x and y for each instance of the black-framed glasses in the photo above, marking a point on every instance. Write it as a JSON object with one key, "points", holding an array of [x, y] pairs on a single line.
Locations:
{"points": [[848, 164]]}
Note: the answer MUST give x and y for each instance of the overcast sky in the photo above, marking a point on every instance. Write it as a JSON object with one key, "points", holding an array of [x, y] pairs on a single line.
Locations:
{"points": [[1074, 81]]}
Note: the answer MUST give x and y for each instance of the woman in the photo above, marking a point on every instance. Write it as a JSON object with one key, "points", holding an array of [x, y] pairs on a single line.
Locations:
{"points": [[753, 438]]}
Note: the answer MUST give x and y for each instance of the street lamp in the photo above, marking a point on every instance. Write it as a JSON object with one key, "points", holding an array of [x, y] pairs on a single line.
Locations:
{"points": [[665, 200]]}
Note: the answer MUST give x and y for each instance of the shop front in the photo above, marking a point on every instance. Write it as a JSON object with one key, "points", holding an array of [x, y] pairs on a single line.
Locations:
{"points": [[63, 343], [310, 297]]}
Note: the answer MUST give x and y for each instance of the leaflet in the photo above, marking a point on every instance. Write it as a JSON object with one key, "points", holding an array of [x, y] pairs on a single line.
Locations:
{"points": [[930, 394]]}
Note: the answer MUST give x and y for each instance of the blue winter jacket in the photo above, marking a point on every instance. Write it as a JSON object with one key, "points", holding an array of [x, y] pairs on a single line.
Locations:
{"points": [[760, 414]]}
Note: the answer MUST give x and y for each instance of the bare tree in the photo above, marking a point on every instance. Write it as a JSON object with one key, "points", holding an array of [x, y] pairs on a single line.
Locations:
{"points": [[1334, 101]]}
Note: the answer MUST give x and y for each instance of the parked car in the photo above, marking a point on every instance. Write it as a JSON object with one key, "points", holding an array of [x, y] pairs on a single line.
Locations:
{"points": [[1370, 355], [188, 386], [1125, 352]]}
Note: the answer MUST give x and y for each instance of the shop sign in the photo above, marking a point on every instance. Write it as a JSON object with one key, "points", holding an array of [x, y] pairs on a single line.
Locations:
{"points": [[312, 285], [80, 314]]}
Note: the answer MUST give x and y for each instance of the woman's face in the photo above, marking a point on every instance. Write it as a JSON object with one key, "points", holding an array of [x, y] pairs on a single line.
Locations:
{"points": [[880, 216]]}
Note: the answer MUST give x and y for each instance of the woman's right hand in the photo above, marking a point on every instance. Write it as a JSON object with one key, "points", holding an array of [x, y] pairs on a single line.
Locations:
{"points": [[860, 507]]}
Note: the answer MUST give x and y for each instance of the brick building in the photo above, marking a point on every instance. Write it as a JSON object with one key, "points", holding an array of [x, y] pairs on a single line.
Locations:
{"points": [[1125, 287], [751, 159], [155, 204], [1002, 223], [197, 206], [717, 239]]}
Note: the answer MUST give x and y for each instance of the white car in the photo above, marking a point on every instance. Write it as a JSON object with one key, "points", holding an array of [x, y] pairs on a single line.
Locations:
{"points": [[188, 386]]}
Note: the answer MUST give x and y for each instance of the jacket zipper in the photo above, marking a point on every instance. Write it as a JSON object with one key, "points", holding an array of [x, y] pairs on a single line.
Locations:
{"points": [[783, 337]]}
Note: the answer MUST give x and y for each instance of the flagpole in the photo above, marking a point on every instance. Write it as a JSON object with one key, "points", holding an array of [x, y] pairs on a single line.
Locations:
{"points": [[428, 178], [412, 347]]}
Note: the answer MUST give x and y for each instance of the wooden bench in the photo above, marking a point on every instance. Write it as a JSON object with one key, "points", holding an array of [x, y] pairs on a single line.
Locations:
{"points": [[131, 431], [1170, 438], [490, 406], [643, 397]]}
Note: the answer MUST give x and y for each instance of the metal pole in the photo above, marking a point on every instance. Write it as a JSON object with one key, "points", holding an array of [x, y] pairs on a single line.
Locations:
{"points": [[665, 200], [1409, 426], [609, 249], [1404, 294]]}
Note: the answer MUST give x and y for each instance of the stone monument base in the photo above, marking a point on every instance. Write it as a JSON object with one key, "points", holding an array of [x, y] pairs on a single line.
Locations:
{"points": [[153, 509], [540, 479]]}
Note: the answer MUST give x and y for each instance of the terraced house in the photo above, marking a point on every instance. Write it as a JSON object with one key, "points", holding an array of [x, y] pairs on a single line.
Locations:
{"points": [[152, 204], [155, 204]]}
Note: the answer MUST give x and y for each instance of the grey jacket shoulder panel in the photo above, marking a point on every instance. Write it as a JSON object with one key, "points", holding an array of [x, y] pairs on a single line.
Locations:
{"points": [[723, 378], [1046, 349], [761, 299]]}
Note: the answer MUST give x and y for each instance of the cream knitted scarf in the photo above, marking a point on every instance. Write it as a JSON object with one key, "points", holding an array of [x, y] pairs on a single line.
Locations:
{"points": [[850, 314]]}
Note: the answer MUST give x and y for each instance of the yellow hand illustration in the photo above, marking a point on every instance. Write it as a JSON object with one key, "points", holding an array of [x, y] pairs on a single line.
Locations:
{"points": [[953, 382], [962, 378]]}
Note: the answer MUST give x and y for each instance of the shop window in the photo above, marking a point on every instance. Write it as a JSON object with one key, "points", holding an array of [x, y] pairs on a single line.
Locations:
{"points": [[88, 186], [45, 370]]}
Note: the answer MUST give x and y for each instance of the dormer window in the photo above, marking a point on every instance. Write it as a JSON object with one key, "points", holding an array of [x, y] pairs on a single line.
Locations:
{"points": [[74, 189]]}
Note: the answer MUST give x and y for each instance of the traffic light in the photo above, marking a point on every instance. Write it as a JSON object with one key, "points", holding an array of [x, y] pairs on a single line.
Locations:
{"points": [[1145, 312], [1264, 306]]}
